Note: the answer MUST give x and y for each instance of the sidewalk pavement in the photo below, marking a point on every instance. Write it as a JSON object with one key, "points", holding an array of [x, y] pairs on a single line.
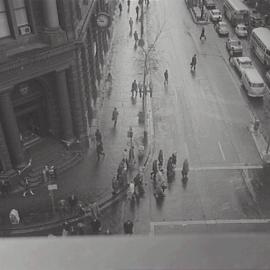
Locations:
{"points": [[91, 179]]}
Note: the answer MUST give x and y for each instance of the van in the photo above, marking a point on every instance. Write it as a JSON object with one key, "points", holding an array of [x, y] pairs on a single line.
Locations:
{"points": [[253, 82]]}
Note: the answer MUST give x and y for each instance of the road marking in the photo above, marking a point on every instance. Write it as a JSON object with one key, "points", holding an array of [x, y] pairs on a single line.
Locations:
{"points": [[205, 222], [228, 167], [221, 150]]}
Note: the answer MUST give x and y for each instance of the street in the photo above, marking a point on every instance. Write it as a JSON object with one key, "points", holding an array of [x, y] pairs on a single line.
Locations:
{"points": [[204, 117]]}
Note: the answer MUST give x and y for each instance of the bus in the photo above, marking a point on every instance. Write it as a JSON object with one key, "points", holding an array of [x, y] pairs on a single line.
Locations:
{"points": [[236, 12], [260, 44]]}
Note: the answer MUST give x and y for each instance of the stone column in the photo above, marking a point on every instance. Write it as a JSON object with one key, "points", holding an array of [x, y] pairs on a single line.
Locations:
{"points": [[64, 106], [52, 34], [4, 153], [11, 130]]}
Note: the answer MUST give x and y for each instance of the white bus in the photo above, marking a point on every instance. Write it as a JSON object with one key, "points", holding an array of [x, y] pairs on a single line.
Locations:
{"points": [[260, 44], [236, 12]]}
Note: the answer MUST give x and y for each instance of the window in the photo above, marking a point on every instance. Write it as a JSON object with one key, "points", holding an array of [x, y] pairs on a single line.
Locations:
{"points": [[4, 25], [20, 12]]}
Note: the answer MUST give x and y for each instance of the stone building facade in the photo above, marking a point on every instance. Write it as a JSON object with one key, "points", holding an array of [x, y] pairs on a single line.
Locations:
{"points": [[51, 58]]}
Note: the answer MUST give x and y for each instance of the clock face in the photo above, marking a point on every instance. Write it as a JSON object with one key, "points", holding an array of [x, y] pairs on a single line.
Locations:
{"points": [[103, 20]]}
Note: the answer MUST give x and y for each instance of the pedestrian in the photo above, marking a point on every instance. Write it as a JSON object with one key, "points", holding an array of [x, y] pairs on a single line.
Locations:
{"points": [[166, 77], [203, 34], [45, 174], [115, 114], [73, 202], [115, 185], [136, 37], [193, 62], [147, 3], [100, 150], [98, 136], [96, 226], [125, 156], [130, 25], [154, 169], [134, 88], [52, 173], [65, 229], [128, 227], [137, 12], [185, 168], [174, 158], [160, 158], [128, 4], [14, 217], [80, 228], [131, 155], [140, 86], [27, 188], [5, 188], [151, 88], [120, 9]]}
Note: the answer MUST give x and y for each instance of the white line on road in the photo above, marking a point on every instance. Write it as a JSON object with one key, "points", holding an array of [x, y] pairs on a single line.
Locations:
{"points": [[221, 150], [228, 167]]}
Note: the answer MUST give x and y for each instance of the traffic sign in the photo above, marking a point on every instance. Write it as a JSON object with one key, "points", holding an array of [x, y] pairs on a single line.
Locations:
{"points": [[52, 187]]}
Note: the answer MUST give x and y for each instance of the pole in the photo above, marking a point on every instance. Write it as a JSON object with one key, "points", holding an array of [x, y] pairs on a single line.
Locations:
{"points": [[142, 19], [52, 201]]}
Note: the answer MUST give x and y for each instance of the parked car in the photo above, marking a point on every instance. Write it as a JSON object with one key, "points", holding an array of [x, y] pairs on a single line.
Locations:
{"points": [[241, 63], [241, 30], [256, 20], [210, 4], [215, 15], [267, 76], [222, 29], [253, 82], [234, 47]]}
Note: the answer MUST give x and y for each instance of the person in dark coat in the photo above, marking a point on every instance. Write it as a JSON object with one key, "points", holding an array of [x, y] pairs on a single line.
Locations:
{"points": [[98, 136], [128, 227]]}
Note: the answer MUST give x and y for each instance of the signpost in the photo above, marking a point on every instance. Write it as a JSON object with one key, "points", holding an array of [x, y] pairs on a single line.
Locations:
{"points": [[51, 188]]}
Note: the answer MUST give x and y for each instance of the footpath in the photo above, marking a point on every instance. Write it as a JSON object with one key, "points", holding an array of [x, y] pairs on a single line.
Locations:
{"points": [[91, 180]]}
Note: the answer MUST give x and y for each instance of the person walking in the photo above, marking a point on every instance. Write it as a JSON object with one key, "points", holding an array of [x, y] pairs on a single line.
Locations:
{"points": [[100, 150], [98, 136], [166, 77], [137, 12], [160, 158], [120, 9], [203, 34], [136, 37], [151, 88], [193, 62], [134, 88], [115, 114], [128, 227], [131, 155], [130, 25], [128, 4], [27, 188]]}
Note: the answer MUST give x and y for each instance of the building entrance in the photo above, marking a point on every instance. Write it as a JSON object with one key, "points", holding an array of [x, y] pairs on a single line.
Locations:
{"points": [[30, 109]]}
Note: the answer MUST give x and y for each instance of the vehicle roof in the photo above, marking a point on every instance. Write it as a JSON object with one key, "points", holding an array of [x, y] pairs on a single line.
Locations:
{"points": [[253, 75], [222, 23], [263, 34], [237, 4], [240, 25], [243, 59], [215, 10]]}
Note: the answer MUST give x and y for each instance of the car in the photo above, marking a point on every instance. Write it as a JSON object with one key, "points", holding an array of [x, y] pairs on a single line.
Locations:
{"points": [[222, 29], [241, 63], [234, 47], [267, 76], [255, 20], [215, 15], [210, 4], [241, 30], [253, 82]]}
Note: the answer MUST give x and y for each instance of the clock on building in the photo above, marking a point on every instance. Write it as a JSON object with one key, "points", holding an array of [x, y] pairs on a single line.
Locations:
{"points": [[103, 20]]}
